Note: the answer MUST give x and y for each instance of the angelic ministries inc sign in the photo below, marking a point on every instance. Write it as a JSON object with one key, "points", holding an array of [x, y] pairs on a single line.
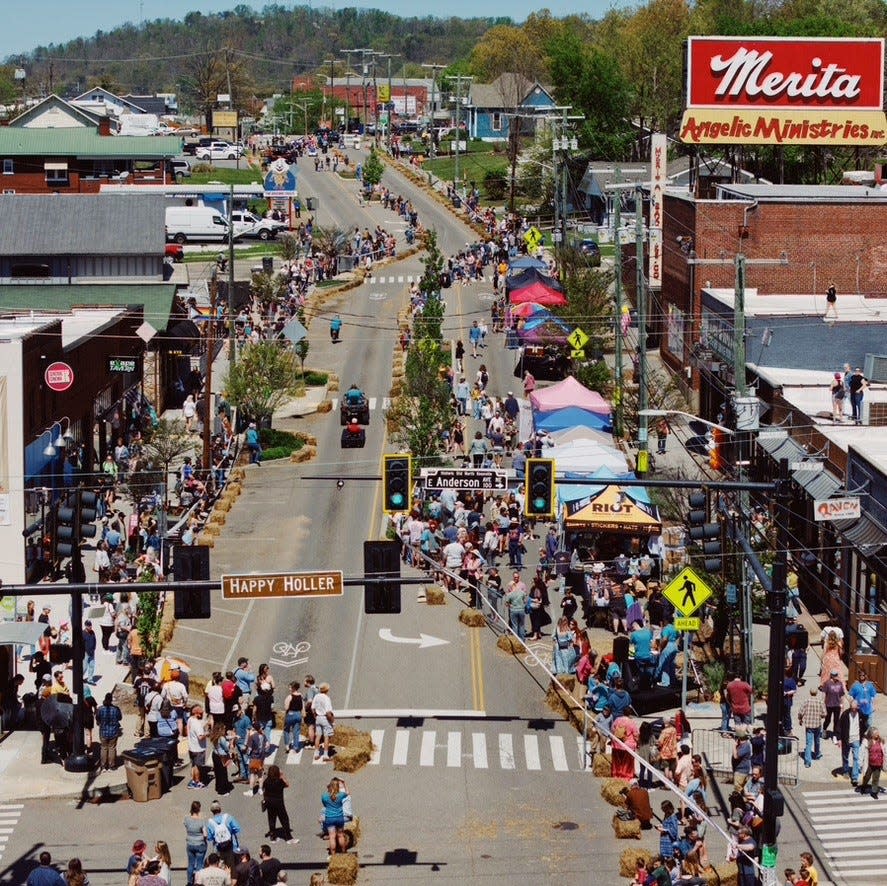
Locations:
{"points": [[785, 91]]}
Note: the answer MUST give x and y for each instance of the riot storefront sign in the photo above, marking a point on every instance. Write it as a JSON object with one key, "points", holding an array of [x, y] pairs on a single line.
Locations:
{"points": [[774, 90]]}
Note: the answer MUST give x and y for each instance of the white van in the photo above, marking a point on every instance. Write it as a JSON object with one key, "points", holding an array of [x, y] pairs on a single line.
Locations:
{"points": [[185, 223]]}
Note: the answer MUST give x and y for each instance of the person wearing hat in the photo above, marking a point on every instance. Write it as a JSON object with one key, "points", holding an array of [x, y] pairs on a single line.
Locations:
{"points": [[833, 692], [247, 869], [511, 406], [810, 716], [323, 716], [742, 752], [838, 393], [253, 443], [223, 831]]}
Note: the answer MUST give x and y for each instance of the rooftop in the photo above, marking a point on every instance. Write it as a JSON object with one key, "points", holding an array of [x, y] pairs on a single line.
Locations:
{"points": [[802, 193], [80, 323], [85, 144], [852, 308]]}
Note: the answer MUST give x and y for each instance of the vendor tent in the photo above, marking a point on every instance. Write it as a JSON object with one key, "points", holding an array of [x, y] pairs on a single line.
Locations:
{"points": [[568, 392], [539, 293], [528, 309], [568, 435], [586, 457], [527, 261], [541, 329], [613, 509], [530, 276], [571, 417]]}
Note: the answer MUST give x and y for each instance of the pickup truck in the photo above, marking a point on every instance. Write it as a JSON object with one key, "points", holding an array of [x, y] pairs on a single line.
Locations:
{"points": [[248, 225], [218, 151]]}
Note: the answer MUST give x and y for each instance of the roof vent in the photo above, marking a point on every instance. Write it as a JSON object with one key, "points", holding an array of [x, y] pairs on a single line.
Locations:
{"points": [[875, 368]]}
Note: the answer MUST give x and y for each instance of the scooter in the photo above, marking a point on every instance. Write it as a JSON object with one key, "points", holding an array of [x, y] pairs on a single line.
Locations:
{"points": [[410, 235]]}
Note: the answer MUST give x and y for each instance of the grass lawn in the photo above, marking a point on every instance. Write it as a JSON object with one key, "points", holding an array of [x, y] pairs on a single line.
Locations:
{"points": [[472, 167], [245, 176], [256, 251]]}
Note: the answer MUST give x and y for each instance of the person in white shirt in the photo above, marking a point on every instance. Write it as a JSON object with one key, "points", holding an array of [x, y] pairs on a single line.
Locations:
{"points": [[323, 715]]}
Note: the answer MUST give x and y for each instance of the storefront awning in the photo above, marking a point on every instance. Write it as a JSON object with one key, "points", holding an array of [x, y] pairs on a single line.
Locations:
{"points": [[817, 484], [866, 535], [21, 633], [779, 445]]}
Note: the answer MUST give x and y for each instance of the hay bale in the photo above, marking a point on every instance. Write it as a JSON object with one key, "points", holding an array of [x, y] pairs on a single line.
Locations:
{"points": [[342, 868], [223, 504], [629, 859], [602, 766], [308, 439], [350, 759], [332, 385], [611, 791], [568, 681], [626, 830], [218, 517], [509, 643], [352, 833], [564, 705], [325, 406], [205, 541], [238, 474], [724, 874], [473, 618], [212, 529], [435, 595], [353, 749], [306, 453]]}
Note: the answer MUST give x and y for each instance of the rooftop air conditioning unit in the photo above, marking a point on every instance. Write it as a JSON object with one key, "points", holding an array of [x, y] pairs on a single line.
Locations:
{"points": [[875, 368]]}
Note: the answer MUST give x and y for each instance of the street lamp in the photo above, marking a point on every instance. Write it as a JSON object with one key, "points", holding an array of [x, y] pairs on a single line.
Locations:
{"points": [[659, 413]]}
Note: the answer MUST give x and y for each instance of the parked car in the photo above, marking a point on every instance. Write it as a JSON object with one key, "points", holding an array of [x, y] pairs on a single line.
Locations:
{"points": [[192, 147], [179, 169], [184, 223], [591, 251], [248, 225], [219, 151]]}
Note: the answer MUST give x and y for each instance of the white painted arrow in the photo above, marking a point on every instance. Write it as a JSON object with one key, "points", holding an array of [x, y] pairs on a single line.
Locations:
{"points": [[423, 642]]}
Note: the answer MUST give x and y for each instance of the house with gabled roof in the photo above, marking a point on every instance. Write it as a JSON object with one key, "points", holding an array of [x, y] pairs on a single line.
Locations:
{"points": [[54, 112], [491, 107]]}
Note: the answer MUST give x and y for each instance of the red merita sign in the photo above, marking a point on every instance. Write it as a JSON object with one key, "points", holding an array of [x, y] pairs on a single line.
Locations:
{"points": [[59, 377], [785, 73]]}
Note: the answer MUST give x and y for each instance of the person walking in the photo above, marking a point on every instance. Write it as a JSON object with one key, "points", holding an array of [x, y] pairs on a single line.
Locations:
{"points": [[110, 719], [875, 764], [196, 731], [292, 722], [256, 748], [865, 692], [253, 444], [273, 787], [516, 603], [323, 722], [811, 716], [662, 432], [831, 301], [838, 393], [833, 692], [333, 801], [850, 730], [195, 841], [220, 744]]}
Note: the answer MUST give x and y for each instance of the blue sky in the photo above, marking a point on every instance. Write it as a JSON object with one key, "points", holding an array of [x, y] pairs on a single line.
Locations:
{"points": [[60, 20]]}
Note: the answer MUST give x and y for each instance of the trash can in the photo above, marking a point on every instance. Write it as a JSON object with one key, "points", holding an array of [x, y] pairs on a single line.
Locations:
{"points": [[311, 203], [165, 751], [143, 776], [267, 264]]}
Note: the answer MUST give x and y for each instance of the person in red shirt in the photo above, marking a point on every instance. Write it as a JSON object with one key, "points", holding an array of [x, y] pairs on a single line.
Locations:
{"points": [[740, 695]]}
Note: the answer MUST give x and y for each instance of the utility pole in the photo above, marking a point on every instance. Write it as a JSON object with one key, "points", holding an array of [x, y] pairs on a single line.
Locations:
{"points": [[617, 294], [331, 62], [210, 344], [643, 460], [459, 78], [434, 69], [232, 341], [390, 104]]}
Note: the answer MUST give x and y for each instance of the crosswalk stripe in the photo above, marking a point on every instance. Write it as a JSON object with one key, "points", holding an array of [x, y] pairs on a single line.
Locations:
{"points": [[293, 758], [400, 278], [377, 736], [401, 747], [386, 402], [372, 402], [479, 750], [531, 750], [506, 751], [454, 749], [582, 750], [558, 753], [426, 752]]}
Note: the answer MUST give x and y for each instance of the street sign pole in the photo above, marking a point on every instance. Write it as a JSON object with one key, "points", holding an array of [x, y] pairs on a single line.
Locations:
{"points": [[684, 669]]}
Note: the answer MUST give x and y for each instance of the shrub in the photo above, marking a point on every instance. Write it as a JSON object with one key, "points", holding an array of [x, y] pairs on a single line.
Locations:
{"points": [[198, 168], [272, 438], [314, 379], [495, 184]]}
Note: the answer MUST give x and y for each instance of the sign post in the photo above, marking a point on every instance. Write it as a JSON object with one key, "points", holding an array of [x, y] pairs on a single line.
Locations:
{"points": [[287, 584], [687, 592]]}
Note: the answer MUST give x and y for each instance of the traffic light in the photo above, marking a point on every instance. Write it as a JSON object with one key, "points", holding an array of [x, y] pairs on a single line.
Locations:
{"points": [[707, 535], [191, 563], [539, 491], [395, 483], [381, 559], [74, 520]]}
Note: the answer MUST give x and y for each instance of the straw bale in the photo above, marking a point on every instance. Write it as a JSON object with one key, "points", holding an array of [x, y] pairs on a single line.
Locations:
{"points": [[342, 868]]}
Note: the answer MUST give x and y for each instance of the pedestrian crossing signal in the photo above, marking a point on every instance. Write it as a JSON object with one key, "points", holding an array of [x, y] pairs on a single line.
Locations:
{"points": [[395, 483], [381, 560], [539, 493]]}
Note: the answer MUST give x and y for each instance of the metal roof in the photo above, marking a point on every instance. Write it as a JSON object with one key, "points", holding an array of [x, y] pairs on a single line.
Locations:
{"points": [[817, 484], [155, 298], [85, 144], [865, 534], [779, 446], [85, 224], [801, 193]]}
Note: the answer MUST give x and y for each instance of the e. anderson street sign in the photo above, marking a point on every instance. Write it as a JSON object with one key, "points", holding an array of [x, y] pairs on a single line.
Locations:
{"points": [[285, 584], [438, 479]]}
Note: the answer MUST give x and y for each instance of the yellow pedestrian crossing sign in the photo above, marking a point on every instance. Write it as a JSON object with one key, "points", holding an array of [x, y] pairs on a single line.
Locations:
{"points": [[533, 237], [578, 354], [687, 591], [578, 339]]}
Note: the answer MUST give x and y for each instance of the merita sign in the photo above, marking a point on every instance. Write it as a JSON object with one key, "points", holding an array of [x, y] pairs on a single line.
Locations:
{"points": [[773, 90]]}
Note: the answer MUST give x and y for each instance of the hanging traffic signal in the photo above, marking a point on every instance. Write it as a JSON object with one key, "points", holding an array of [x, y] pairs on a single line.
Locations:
{"points": [[539, 491], [706, 534], [74, 520], [191, 563], [395, 483], [381, 559]]}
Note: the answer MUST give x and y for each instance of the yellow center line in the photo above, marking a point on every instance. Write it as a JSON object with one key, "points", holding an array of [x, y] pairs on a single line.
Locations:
{"points": [[477, 670]]}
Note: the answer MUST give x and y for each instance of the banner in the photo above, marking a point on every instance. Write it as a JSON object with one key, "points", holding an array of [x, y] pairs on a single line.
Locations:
{"points": [[774, 90], [658, 159]]}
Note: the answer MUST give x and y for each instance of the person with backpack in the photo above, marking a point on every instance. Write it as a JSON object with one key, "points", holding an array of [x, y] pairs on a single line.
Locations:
{"points": [[256, 749], [875, 764], [223, 831]]}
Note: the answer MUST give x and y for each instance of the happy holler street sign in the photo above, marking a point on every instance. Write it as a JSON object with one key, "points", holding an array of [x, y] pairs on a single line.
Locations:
{"points": [[780, 90]]}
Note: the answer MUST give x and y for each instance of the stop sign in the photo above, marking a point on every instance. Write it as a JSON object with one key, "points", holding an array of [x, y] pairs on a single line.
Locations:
{"points": [[59, 376]]}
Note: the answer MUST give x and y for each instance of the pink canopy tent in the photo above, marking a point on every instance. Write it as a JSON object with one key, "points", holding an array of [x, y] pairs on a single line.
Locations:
{"points": [[568, 392], [527, 309], [538, 293]]}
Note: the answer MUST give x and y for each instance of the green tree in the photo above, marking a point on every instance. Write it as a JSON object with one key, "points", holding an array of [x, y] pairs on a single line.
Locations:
{"points": [[300, 348], [372, 170], [168, 441], [262, 379]]}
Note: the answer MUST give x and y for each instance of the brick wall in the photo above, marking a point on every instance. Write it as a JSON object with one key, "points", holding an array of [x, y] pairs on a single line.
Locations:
{"points": [[35, 183]]}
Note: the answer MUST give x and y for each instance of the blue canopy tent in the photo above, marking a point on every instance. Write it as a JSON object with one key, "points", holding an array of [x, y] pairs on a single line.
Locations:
{"points": [[571, 417]]}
